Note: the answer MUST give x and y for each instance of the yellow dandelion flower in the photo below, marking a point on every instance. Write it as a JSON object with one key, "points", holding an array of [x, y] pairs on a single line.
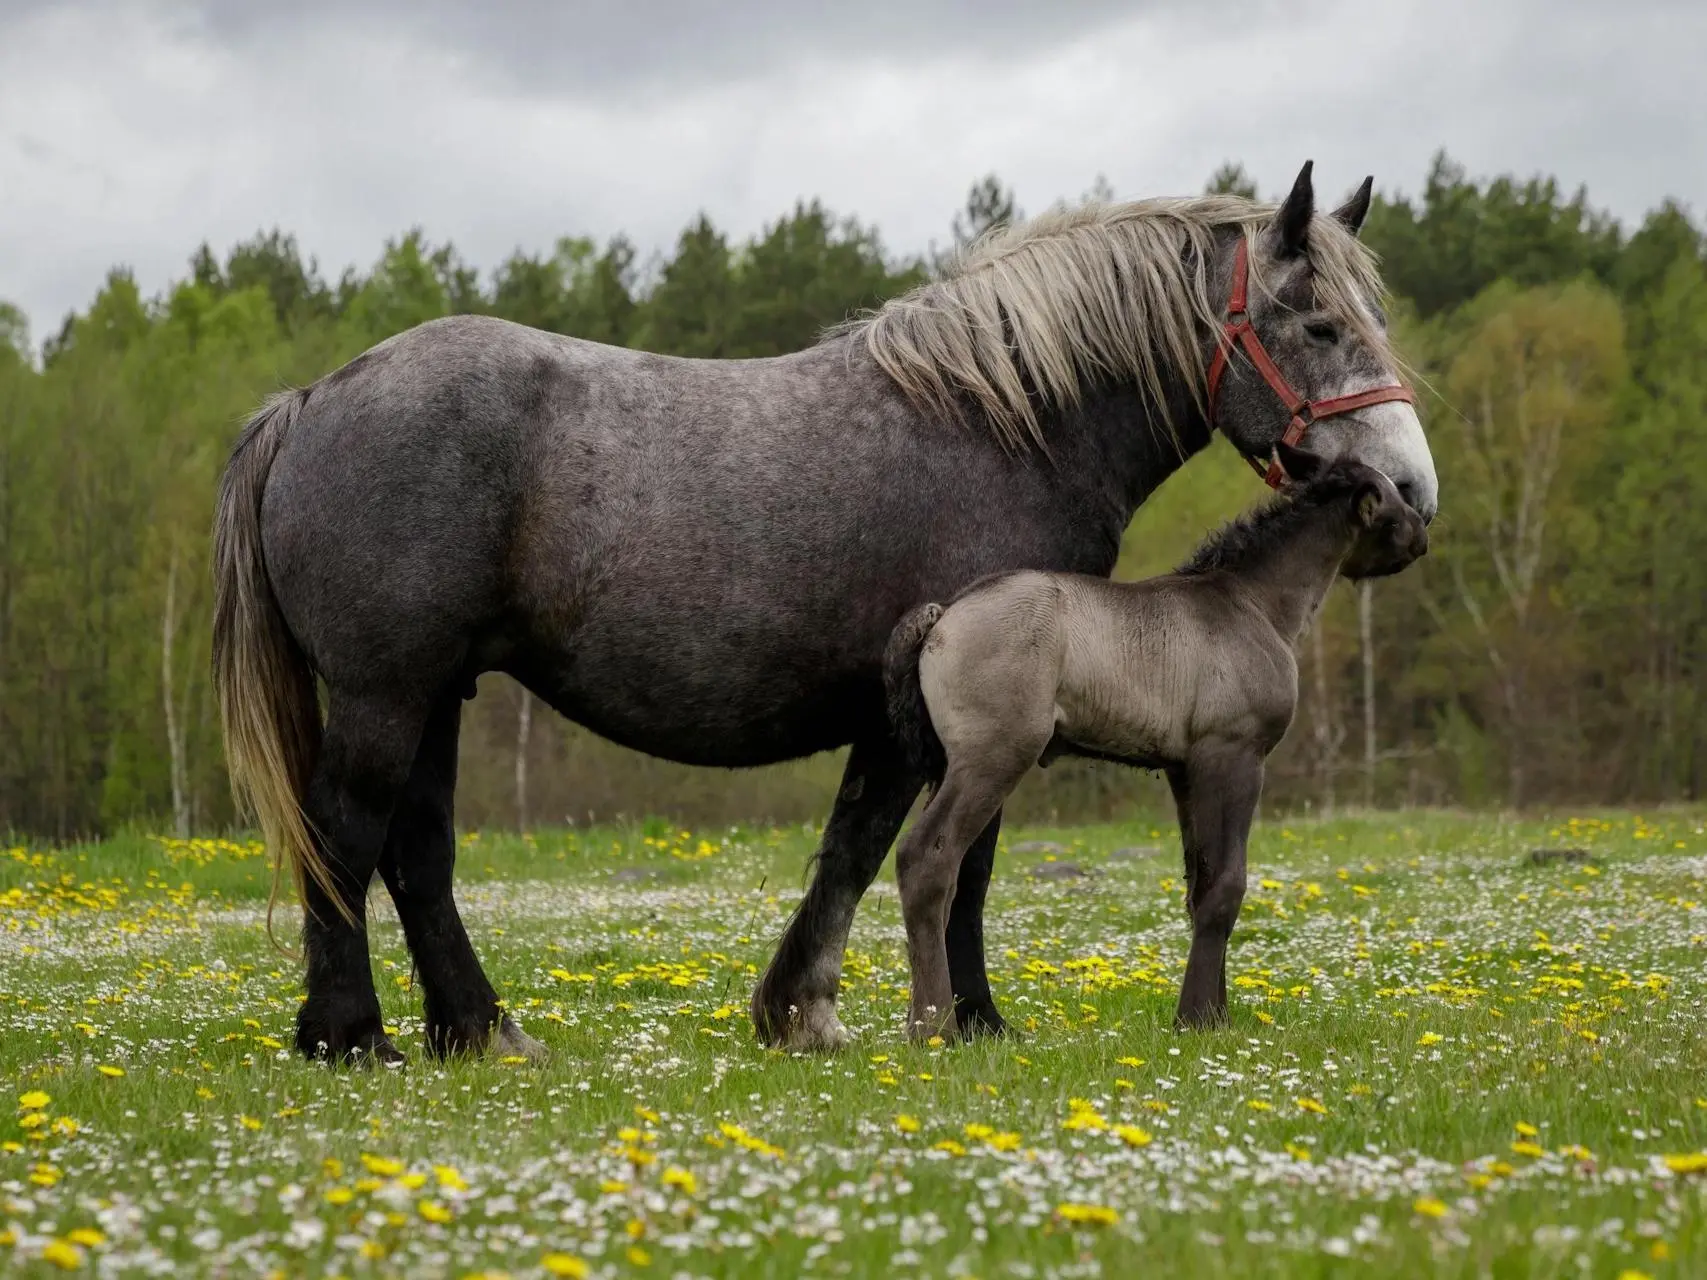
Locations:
{"points": [[1311, 1105], [62, 1254], [449, 1178], [1298, 1153], [611, 1187], [110, 1071], [1526, 1130], [1132, 1135], [1686, 1164], [1087, 1215], [433, 1211], [1430, 1037], [88, 1237], [1005, 1141], [34, 1120], [564, 1264], [66, 1127], [413, 1181], [638, 1257], [1129, 1062], [1527, 1149], [249, 1122], [1266, 1019], [1257, 1104], [674, 1177], [383, 1166], [907, 1124], [332, 1167], [951, 1146], [34, 1100], [339, 1195], [1429, 1207]]}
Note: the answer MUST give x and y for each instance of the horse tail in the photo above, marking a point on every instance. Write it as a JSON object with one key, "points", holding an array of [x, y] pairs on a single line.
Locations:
{"points": [[909, 717], [267, 700]]}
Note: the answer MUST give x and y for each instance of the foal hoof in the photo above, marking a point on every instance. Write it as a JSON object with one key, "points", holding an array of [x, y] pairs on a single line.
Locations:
{"points": [[512, 1042], [981, 1020], [1200, 1019]]}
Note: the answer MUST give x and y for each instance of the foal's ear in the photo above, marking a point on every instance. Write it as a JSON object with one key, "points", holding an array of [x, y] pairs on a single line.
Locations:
{"points": [[1352, 213], [1299, 466], [1291, 225], [1369, 500]]}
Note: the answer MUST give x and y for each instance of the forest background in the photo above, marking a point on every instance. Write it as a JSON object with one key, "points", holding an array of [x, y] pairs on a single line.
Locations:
{"points": [[1551, 650]]}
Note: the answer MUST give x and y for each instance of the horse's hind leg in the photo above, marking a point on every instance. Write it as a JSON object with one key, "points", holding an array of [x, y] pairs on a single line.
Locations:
{"points": [[794, 1004], [1217, 794], [927, 867], [420, 854], [974, 1006], [365, 755]]}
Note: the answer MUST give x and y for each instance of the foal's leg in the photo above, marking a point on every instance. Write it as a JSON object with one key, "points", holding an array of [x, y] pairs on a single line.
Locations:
{"points": [[420, 853], [365, 757], [795, 1002], [1217, 795], [974, 1007], [927, 866]]}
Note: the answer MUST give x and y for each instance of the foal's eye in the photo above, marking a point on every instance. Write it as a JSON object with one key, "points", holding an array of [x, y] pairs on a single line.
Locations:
{"points": [[1322, 331]]}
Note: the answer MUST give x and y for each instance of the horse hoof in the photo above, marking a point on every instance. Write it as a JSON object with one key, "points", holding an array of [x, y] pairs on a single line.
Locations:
{"points": [[512, 1042], [815, 1029], [362, 1045]]}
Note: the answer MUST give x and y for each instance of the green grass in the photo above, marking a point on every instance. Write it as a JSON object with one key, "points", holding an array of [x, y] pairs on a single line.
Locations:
{"points": [[1413, 998]]}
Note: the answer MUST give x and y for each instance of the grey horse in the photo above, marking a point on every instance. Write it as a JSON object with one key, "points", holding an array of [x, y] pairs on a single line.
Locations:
{"points": [[703, 559], [1193, 672]]}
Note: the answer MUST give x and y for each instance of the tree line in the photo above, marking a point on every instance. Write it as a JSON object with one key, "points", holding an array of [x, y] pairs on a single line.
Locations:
{"points": [[1552, 649]]}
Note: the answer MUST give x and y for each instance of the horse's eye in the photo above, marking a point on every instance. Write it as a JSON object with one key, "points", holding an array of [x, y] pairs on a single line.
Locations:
{"points": [[1322, 331]]}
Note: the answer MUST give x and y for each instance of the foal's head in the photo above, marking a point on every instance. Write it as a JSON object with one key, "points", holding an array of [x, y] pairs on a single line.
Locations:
{"points": [[1387, 533]]}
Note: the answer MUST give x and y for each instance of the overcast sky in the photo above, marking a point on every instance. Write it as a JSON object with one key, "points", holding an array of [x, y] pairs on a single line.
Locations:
{"points": [[132, 130]]}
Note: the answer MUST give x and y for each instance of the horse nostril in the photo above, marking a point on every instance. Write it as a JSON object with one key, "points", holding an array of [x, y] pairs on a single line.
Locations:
{"points": [[1408, 491]]}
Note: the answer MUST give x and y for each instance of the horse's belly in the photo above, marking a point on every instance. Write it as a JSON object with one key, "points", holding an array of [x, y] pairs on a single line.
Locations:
{"points": [[703, 695]]}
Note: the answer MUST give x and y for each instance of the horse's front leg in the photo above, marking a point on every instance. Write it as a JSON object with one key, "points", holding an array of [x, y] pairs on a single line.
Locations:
{"points": [[794, 1005], [1217, 793]]}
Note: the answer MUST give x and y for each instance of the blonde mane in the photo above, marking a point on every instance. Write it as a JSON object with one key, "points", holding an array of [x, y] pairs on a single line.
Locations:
{"points": [[1114, 293]]}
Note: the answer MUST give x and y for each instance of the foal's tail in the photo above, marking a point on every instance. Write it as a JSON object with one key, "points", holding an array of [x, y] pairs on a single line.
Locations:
{"points": [[909, 717], [267, 698]]}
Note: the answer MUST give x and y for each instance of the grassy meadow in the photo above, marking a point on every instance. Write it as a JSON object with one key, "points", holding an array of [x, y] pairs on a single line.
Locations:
{"points": [[1445, 1058]]}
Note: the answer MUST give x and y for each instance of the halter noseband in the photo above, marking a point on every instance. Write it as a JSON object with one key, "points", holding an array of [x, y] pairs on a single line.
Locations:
{"points": [[1237, 331]]}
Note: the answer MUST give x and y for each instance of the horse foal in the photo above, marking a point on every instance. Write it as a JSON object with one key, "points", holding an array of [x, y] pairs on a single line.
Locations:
{"points": [[1193, 673]]}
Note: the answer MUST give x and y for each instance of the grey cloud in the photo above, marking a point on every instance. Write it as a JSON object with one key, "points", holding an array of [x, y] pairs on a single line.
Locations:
{"points": [[664, 46]]}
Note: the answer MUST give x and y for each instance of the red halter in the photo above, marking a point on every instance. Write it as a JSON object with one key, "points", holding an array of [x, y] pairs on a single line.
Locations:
{"points": [[1238, 331]]}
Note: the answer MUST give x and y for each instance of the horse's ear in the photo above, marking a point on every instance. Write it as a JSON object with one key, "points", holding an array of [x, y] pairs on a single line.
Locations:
{"points": [[1299, 466], [1291, 225], [1352, 213]]}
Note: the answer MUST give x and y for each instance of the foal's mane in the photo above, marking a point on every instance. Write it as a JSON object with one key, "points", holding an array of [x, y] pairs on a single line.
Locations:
{"points": [[1248, 536], [1106, 292]]}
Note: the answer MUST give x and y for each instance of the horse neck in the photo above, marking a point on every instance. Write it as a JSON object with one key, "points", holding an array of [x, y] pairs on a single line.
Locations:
{"points": [[1289, 580], [1115, 448]]}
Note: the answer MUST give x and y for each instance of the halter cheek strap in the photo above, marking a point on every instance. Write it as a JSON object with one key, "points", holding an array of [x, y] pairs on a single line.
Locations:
{"points": [[1238, 331]]}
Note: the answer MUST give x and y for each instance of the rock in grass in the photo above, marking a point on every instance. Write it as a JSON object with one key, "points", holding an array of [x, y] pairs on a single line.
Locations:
{"points": [[1038, 846], [633, 875], [1133, 852], [1058, 871], [1542, 857]]}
